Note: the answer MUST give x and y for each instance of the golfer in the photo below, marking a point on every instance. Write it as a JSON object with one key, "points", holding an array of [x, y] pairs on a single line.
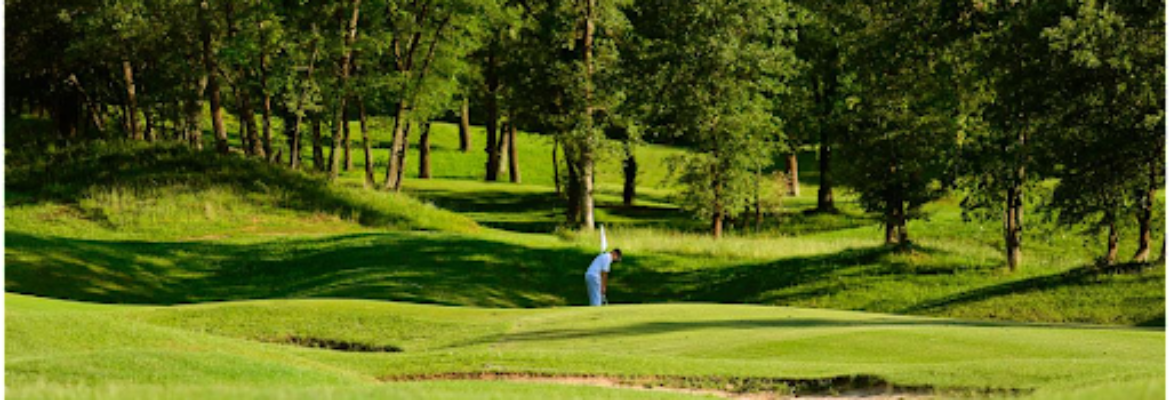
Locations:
{"points": [[597, 277]]}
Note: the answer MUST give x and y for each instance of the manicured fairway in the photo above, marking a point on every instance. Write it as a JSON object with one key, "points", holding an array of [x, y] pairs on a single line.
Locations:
{"points": [[57, 347]]}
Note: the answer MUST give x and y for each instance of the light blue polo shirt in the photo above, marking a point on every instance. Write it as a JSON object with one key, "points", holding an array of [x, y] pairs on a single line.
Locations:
{"points": [[599, 265]]}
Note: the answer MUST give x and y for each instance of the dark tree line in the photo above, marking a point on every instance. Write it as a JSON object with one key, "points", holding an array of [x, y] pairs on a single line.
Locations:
{"points": [[903, 101]]}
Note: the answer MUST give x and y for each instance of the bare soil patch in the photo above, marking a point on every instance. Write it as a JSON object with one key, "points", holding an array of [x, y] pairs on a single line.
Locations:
{"points": [[753, 388]]}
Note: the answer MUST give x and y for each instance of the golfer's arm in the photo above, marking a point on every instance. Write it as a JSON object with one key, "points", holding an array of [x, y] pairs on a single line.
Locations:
{"points": [[604, 281]]}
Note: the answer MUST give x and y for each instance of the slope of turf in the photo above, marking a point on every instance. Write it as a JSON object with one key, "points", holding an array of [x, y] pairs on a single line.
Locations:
{"points": [[159, 224], [67, 350]]}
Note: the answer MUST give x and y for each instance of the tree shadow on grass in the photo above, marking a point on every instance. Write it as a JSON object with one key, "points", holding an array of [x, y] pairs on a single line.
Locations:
{"points": [[1082, 276], [422, 268], [749, 282], [417, 267]]}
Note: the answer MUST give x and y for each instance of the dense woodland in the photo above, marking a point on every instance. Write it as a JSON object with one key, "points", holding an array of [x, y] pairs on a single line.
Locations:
{"points": [[998, 103]]}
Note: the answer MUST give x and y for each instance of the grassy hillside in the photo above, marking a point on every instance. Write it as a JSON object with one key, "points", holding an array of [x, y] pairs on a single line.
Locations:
{"points": [[194, 351], [119, 223], [481, 273]]}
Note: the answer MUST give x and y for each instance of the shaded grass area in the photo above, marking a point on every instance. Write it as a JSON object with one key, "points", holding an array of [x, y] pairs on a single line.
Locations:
{"points": [[457, 269]]}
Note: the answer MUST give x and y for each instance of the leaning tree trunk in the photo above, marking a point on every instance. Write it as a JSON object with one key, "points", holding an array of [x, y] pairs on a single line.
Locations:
{"points": [[630, 172], [464, 127], [424, 151], [1114, 238], [396, 148], [369, 182], [131, 102]]}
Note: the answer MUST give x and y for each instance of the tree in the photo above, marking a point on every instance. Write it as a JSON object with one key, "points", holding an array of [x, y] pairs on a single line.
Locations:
{"points": [[1010, 107], [1107, 140], [563, 72], [903, 104], [721, 99], [422, 41], [816, 104]]}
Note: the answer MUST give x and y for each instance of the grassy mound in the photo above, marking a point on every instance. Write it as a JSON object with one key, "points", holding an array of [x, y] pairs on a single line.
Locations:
{"points": [[169, 191], [217, 349]]}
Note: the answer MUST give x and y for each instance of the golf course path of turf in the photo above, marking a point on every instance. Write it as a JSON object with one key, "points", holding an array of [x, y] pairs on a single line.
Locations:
{"points": [[844, 387]]}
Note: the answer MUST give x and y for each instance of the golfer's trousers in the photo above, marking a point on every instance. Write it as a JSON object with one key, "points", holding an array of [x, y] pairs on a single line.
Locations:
{"points": [[593, 284]]}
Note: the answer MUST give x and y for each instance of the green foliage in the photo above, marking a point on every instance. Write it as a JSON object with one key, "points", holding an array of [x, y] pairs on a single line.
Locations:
{"points": [[720, 99], [1109, 146], [901, 138]]}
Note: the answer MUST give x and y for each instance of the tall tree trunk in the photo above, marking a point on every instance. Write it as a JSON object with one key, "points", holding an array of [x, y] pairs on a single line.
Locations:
{"points": [[131, 102], [148, 127], [573, 212], [630, 172], [717, 215], [266, 108], [318, 150], [347, 164], [194, 107], [825, 191], [339, 120], [1145, 216], [826, 92], [759, 212], [464, 127], [586, 200], [1014, 212], [66, 113], [294, 140], [210, 68], [396, 148], [585, 150], [556, 166], [794, 176], [502, 149], [424, 151], [491, 125], [370, 182], [248, 123], [1013, 228], [513, 156], [1111, 253], [402, 156]]}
